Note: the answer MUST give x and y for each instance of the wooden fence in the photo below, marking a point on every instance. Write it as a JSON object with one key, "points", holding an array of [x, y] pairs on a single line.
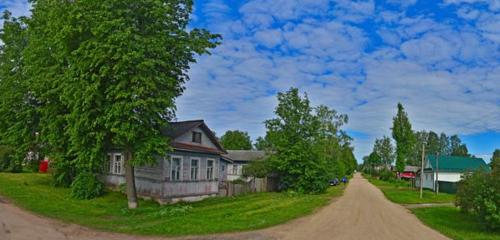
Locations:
{"points": [[268, 184]]}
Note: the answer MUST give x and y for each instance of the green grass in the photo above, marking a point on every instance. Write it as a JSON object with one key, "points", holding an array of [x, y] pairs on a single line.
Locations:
{"points": [[109, 212], [454, 224], [401, 193]]}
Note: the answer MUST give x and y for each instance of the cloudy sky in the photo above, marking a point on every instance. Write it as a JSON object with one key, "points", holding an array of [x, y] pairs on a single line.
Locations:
{"points": [[441, 59]]}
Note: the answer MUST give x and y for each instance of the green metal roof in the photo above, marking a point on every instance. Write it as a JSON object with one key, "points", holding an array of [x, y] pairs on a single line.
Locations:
{"points": [[457, 163]]}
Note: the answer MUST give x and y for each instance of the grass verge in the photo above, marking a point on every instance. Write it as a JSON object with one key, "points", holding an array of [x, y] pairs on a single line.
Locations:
{"points": [[455, 224], [399, 192], [35, 193]]}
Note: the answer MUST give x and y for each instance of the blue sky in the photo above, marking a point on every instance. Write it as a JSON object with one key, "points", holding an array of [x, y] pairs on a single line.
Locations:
{"points": [[441, 59]]}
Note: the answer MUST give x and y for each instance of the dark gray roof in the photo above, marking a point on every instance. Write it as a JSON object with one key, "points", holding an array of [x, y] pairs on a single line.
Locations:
{"points": [[245, 155], [176, 129]]}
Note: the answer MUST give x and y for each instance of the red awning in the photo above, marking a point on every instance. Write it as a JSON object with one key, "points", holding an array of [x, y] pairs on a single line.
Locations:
{"points": [[407, 175]]}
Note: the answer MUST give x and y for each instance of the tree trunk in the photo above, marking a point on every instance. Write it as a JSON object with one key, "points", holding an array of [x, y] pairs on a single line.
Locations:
{"points": [[130, 182]]}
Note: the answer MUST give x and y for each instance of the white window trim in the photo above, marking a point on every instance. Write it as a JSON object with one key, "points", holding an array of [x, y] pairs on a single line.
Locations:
{"points": [[170, 167], [214, 168], [190, 166], [234, 169], [112, 164]]}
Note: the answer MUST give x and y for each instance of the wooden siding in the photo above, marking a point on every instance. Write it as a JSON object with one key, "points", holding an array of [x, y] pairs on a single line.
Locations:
{"points": [[187, 138], [190, 188]]}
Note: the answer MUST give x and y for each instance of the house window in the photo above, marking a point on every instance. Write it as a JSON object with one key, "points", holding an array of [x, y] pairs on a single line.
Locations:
{"points": [[115, 165], [197, 137], [175, 168], [194, 169], [109, 164], [235, 169], [210, 169], [223, 168]]}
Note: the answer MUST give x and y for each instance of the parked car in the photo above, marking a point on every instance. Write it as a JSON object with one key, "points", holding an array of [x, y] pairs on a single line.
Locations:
{"points": [[334, 182]]}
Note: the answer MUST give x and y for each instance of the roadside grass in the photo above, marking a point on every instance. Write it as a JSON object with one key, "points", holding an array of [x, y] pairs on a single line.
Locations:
{"points": [[401, 193], [35, 193], [455, 224]]}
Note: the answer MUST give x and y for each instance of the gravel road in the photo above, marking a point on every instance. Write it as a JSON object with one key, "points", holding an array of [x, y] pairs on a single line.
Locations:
{"points": [[361, 213]]}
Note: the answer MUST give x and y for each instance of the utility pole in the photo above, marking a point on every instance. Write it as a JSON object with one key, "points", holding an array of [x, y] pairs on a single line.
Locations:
{"points": [[437, 173], [422, 172]]}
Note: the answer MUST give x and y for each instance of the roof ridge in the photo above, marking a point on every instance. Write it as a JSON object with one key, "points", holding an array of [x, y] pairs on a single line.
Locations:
{"points": [[185, 121]]}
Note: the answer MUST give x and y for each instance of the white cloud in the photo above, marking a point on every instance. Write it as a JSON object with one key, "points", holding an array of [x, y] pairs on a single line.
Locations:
{"points": [[446, 73]]}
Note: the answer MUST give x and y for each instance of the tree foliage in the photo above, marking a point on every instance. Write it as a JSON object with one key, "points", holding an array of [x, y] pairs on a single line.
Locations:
{"points": [[259, 169], [495, 161], [457, 148], [403, 135], [479, 194], [96, 75], [308, 147], [236, 140], [442, 144], [18, 107], [385, 150], [262, 143]]}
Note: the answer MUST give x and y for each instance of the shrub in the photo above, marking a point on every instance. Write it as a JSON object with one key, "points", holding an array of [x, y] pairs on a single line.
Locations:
{"points": [[259, 169], [387, 175], [8, 161], [238, 181], [86, 186], [479, 193], [64, 172]]}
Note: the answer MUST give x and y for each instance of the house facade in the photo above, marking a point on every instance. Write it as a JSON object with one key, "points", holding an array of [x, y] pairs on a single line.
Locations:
{"points": [[192, 171], [239, 159], [447, 171]]}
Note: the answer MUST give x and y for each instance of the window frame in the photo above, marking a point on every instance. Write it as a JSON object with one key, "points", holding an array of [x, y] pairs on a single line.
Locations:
{"points": [[198, 160], [170, 162], [112, 166], [194, 134], [212, 177], [235, 169]]}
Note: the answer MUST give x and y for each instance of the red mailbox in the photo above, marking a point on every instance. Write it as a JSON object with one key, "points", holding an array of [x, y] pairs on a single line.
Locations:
{"points": [[44, 166]]}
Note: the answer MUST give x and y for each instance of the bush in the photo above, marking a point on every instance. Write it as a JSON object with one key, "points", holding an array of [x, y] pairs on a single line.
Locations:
{"points": [[259, 169], [64, 172], [86, 186], [479, 193], [387, 175], [8, 161], [238, 181]]}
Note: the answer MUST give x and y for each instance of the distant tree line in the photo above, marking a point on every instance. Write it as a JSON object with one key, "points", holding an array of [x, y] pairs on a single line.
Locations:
{"points": [[409, 143]]}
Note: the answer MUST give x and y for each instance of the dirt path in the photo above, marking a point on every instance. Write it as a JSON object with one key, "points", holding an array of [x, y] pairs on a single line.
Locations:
{"points": [[361, 213]]}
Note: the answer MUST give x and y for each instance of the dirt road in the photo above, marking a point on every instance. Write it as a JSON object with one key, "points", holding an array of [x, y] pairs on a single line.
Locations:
{"points": [[361, 213]]}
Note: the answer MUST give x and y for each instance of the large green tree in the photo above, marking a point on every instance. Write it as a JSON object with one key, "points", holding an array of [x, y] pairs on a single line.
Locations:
{"points": [[109, 77], [385, 150], [236, 140], [262, 143], [444, 142], [18, 106], [433, 145], [457, 148], [403, 135], [307, 143]]}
